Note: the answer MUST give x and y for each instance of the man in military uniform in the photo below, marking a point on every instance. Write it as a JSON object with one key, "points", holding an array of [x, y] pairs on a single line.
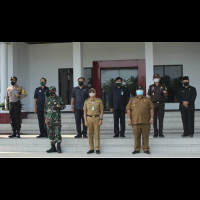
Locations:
{"points": [[52, 108], [187, 96], [41, 93], [12, 102], [93, 115], [158, 92], [119, 97], [140, 115]]}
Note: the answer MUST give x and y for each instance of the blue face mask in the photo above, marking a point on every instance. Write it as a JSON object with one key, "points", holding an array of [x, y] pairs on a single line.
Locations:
{"points": [[139, 92]]}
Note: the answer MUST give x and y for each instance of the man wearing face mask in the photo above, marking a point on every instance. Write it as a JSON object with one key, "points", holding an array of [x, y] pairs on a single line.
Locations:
{"points": [[119, 97], [187, 96], [41, 93], [140, 117], [93, 115], [52, 112], [12, 102], [158, 93], [79, 95]]}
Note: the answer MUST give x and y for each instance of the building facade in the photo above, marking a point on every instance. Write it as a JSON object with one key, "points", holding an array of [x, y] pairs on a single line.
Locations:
{"points": [[99, 62]]}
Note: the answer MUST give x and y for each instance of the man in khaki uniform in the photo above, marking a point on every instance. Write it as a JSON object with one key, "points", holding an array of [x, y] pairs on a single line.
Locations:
{"points": [[140, 115], [93, 116]]}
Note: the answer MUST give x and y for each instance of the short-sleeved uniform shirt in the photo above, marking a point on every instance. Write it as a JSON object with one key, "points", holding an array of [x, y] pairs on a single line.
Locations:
{"points": [[80, 95], [156, 93], [41, 95], [93, 108], [140, 108]]}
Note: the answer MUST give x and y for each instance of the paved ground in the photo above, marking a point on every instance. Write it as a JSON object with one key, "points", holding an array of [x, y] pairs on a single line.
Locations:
{"points": [[154, 152]]}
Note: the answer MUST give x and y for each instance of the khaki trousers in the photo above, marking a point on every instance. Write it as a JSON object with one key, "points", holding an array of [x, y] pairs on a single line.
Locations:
{"points": [[144, 130], [93, 127]]}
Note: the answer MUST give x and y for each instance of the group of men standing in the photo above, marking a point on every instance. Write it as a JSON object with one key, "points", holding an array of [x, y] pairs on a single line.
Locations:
{"points": [[142, 111]]}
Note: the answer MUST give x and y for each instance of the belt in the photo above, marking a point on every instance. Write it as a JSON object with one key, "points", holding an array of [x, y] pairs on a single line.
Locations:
{"points": [[158, 102], [93, 116]]}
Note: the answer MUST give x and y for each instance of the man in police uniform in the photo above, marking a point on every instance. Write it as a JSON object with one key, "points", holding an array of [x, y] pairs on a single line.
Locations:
{"points": [[119, 97], [140, 115], [93, 115], [158, 92], [187, 96], [41, 93], [12, 102]]}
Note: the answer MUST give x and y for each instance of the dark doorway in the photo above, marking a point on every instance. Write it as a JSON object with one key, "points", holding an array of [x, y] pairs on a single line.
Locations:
{"points": [[65, 84]]}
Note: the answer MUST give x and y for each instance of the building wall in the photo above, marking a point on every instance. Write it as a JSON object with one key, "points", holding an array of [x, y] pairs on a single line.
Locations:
{"points": [[183, 53], [97, 51], [44, 61], [19, 67]]}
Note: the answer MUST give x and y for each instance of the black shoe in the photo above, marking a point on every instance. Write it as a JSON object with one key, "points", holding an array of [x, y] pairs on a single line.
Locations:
{"points": [[135, 152], [97, 152], [90, 151], [18, 134], [190, 135], [78, 136], [41, 136], [84, 136], [122, 135], [115, 136], [53, 149], [59, 148], [147, 152], [155, 135], [161, 135], [184, 135], [12, 136]]}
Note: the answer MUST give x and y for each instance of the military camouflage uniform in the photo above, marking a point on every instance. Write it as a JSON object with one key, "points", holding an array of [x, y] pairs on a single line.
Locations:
{"points": [[53, 117]]}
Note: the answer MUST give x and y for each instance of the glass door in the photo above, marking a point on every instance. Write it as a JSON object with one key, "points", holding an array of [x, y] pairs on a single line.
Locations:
{"points": [[108, 76]]}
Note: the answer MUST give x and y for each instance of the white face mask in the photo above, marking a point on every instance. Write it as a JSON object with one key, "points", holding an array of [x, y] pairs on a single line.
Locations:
{"points": [[156, 80], [92, 94]]}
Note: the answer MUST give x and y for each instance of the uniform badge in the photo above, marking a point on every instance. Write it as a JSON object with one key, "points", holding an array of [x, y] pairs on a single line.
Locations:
{"points": [[153, 94], [92, 108], [40, 90], [153, 88]]}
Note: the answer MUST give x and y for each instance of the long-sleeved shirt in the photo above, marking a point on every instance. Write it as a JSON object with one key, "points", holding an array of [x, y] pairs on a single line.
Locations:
{"points": [[187, 94], [119, 98]]}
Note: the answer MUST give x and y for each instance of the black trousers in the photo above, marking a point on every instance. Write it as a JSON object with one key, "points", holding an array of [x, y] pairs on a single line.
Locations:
{"points": [[42, 125], [15, 115], [188, 121], [159, 111], [79, 116], [119, 115]]}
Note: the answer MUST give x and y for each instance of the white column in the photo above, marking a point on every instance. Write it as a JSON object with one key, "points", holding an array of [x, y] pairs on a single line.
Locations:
{"points": [[149, 63], [4, 70], [77, 61]]}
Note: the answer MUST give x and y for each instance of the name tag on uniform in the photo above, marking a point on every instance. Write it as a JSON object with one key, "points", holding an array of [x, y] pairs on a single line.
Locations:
{"points": [[92, 108]]}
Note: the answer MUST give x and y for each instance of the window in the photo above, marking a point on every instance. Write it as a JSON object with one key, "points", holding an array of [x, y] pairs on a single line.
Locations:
{"points": [[171, 76], [88, 76]]}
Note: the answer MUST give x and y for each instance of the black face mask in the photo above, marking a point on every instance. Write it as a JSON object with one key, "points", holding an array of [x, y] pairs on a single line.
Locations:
{"points": [[118, 84], [186, 83], [13, 83], [80, 83]]}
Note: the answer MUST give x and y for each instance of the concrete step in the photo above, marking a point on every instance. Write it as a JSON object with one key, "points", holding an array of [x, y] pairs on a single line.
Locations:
{"points": [[173, 143]]}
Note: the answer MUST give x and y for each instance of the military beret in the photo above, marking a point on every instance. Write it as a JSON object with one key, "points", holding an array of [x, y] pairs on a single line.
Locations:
{"points": [[13, 78], [52, 88], [92, 90], [185, 78], [156, 76]]}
